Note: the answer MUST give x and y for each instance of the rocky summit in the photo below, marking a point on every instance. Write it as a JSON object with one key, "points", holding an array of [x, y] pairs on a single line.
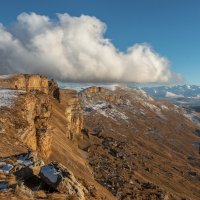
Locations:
{"points": [[98, 143]]}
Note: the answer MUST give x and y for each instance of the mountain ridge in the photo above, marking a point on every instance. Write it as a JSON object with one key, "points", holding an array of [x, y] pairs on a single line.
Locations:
{"points": [[93, 144]]}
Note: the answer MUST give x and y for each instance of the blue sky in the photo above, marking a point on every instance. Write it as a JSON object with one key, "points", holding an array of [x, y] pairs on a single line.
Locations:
{"points": [[171, 27]]}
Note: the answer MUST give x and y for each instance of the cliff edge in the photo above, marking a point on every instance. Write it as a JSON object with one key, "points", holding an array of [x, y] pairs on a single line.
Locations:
{"points": [[39, 127]]}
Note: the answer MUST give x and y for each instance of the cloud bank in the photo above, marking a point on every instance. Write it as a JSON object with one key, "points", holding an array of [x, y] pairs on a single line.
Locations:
{"points": [[75, 49]]}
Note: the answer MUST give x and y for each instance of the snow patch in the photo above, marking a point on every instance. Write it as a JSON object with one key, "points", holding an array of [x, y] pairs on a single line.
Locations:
{"points": [[191, 115], [151, 106], [188, 87], [106, 110], [160, 114], [6, 76], [164, 107], [5, 168], [24, 160], [172, 95], [7, 97], [142, 95], [198, 96], [50, 172], [3, 185]]}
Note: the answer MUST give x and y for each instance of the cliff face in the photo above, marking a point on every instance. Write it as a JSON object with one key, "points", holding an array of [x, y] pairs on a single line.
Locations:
{"points": [[43, 109], [96, 92], [37, 123], [73, 112], [29, 110], [25, 82], [28, 119], [68, 98]]}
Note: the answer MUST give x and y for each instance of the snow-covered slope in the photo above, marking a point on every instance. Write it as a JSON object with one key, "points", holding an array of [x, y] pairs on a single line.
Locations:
{"points": [[179, 94], [178, 90]]}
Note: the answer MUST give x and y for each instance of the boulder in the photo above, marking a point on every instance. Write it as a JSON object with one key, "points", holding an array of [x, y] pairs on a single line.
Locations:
{"points": [[62, 180]]}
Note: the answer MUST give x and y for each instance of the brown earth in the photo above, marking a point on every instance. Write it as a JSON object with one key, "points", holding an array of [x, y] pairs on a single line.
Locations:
{"points": [[50, 127], [140, 148], [117, 144]]}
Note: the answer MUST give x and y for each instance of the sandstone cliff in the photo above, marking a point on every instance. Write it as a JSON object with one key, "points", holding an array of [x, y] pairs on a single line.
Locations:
{"points": [[28, 119], [73, 112], [40, 123], [25, 82]]}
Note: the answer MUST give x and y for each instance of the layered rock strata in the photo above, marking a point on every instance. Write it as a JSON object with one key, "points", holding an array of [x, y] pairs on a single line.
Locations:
{"points": [[73, 112], [25, 82]]}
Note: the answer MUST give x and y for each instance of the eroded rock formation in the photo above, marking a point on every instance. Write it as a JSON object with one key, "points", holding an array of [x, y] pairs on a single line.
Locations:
{"points": [[30, 170], [25, 82], [28, 105], [73, 111], [28, 121], [27, 116]]}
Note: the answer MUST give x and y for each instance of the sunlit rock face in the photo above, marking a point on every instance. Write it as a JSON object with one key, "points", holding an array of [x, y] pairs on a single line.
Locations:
{"points": [[28, 118], [30, 97], [25, 82], [37, 123], [36, 110], [26, 110], [73, 112]]}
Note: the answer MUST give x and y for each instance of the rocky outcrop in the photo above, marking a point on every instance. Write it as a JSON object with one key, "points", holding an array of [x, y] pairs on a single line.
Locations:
{"points": [[26, 125], [25, 82], [97, 92], [62, 180], [27, 120], [29, 172], [43, 129], [73, 111], [26, 110], [54, 90], [35, 110], [68, 98], [19, 167]]}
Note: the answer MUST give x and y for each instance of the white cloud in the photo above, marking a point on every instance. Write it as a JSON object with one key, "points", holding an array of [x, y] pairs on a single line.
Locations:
{"points": [[75, 49]]}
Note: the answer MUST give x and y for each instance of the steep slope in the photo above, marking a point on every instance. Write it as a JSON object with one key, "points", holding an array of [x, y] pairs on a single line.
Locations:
{"points": [[67, 152], [98, 144], [39, 157], [140, 148]]}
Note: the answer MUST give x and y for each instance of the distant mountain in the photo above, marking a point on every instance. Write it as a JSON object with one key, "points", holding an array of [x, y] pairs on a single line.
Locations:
{"points": [[179, 94], [174, 91]]}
